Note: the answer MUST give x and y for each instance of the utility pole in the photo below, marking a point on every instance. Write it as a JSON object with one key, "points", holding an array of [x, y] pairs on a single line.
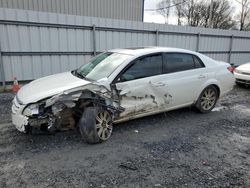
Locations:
{"points": [[211, 14]]}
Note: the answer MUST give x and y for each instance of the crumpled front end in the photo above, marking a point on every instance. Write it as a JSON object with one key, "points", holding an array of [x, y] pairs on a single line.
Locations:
{"points": [[62, 111]]}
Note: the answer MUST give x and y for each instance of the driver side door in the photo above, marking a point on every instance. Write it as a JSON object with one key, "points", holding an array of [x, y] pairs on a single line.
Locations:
{"points": [[139, 85]]}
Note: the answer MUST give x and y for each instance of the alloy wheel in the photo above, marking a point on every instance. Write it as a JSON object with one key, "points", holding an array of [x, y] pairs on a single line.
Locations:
{"points": [[104, 125], [208, 99]]}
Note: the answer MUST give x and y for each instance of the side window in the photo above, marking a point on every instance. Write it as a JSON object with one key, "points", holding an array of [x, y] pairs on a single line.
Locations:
{"points": [[175, 62], [144, 67], [198, 63]]}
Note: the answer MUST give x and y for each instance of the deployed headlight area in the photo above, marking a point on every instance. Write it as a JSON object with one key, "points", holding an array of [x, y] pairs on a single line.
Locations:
{"points": [[59, 116], [33, 109]]}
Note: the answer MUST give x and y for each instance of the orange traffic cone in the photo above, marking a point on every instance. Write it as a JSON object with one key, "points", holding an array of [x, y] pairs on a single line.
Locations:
{"points": [[15, 86]]}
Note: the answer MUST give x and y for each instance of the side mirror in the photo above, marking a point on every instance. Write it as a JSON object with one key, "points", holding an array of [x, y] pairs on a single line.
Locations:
{"points": [[119, 79]]}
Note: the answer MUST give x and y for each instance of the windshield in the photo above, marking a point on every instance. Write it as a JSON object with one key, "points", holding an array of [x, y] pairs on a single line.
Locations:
{"points": [[102, 65]]}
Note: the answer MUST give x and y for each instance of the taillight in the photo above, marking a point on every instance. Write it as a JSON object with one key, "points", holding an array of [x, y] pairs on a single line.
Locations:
{"points": [[231, 69]]}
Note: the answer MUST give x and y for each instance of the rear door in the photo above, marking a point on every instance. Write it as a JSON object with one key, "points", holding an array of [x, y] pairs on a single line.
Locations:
{"points": [[184, 75]]}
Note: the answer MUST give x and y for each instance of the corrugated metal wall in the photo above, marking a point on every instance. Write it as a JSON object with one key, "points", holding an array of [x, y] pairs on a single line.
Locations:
{"points": [[117, 9], [35, 44]]}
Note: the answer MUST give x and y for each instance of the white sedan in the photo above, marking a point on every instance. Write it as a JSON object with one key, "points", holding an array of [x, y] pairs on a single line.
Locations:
{"points": [[121, 85], [242, 74]]}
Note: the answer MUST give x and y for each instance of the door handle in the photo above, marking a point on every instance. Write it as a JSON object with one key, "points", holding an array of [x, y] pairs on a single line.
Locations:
{"points": [[201, 76], [159, 84]]}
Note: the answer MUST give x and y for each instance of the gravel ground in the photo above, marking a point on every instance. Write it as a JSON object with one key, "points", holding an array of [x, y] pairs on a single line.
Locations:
{"points": [[181, 148], [5, 107]]}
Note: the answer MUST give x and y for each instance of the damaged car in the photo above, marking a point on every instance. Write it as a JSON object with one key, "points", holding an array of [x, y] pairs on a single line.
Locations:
{"points": [[120, 85]]}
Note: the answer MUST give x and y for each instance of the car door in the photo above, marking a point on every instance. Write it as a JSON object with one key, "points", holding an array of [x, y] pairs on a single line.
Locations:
{"points": [[184, 75], [138, 85]]}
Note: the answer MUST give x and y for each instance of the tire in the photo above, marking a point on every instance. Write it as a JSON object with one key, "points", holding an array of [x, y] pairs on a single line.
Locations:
{"points": [[95, 125], [207, 99]]}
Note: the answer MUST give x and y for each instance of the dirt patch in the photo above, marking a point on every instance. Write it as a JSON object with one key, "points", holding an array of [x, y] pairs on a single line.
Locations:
{"points": [[181, 148]]}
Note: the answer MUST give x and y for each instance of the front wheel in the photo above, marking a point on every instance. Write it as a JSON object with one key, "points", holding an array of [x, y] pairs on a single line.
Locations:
{"points": [[95, 125], [207, 99]]}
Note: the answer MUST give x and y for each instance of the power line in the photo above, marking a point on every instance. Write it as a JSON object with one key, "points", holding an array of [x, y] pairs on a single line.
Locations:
{"points": [[166, 7]]}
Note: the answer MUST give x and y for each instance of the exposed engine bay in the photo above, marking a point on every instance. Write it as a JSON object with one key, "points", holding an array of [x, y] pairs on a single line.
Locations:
{"points": [[62, 111]]}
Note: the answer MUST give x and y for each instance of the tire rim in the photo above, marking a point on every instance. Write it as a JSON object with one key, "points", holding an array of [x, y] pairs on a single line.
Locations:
{"points": [[104, 125], [208, 99]]}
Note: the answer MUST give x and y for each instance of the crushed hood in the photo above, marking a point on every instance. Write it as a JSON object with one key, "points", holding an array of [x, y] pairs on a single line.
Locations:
{"points": [[244, 68], [48, 86]]}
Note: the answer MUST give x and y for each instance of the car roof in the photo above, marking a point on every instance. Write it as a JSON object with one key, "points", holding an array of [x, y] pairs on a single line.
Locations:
{"points": [[137, 51]]}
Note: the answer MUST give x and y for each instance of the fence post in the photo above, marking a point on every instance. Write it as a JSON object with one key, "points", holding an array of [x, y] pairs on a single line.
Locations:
{"points": [[94, 40], [230, 49], [198, 42], [2, 69], [156, 37]]}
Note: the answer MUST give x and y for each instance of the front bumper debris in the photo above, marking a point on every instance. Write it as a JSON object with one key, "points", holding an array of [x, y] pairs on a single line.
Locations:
{"points": [[19, 121]]}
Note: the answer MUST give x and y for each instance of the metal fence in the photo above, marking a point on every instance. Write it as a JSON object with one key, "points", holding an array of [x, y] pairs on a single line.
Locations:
{"points": [[35, 44]]}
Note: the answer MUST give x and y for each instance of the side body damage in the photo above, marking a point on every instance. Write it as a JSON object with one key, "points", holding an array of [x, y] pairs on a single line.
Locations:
{"points": [[62, 111], [146, 97]]}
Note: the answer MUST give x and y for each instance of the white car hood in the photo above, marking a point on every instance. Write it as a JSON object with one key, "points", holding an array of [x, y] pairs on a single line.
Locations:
{"points": [[48, 86], [244, 67]]}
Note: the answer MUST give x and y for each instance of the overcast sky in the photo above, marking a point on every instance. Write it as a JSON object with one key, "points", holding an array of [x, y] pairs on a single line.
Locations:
{"points": [[155, 17]]}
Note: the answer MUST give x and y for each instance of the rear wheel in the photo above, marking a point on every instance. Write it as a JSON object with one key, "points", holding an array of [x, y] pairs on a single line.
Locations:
{"points": [[207, 99], [95, 125]]}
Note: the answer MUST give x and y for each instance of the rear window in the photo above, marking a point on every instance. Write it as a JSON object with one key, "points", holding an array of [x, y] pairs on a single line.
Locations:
{"points": [[176, 62], [198, 62]]}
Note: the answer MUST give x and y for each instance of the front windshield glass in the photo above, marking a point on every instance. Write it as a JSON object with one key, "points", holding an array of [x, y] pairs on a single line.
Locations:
{"points": [[102, 65]]}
